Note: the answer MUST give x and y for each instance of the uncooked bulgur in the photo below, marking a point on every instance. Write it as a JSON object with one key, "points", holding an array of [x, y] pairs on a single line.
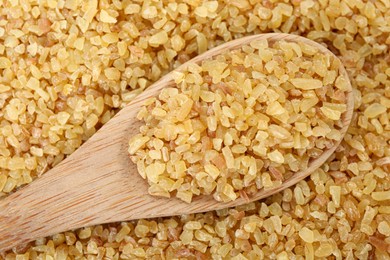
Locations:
{"points": [[36, 36], [242, 121]]}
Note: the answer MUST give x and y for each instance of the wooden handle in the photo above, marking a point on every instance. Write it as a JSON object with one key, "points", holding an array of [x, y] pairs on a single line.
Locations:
{"points": [[78, 191], [66, 198]]}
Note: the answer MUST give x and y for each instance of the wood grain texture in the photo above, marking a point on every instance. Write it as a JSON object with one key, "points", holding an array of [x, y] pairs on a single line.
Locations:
{"points": [[99, 184]]}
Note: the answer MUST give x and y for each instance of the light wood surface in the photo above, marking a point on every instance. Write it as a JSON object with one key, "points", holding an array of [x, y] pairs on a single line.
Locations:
{"points": [[99, 184]]}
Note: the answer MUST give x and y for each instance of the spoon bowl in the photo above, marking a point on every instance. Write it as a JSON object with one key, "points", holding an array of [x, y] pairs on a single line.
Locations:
{"points": [[98, 183]]}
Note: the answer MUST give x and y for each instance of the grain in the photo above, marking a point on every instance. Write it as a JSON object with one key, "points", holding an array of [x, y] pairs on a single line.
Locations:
{"points": [[105, 17], [5, 63], [374, 110], [306, 84], [381, 195], [158, 39]]}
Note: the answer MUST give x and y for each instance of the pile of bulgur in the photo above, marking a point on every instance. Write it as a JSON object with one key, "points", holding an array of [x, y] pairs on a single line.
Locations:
{"points": [[68, 66], [244, 120]]}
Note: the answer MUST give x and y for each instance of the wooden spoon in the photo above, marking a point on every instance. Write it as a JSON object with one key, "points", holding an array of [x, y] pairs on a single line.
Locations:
{"points": [[99, 184]]}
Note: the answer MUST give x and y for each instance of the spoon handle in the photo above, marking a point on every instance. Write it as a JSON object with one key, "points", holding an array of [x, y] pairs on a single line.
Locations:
{"points": [[64, 198], [79, 191]]}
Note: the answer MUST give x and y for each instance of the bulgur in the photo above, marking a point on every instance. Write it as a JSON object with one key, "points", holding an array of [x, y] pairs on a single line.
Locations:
{"points": [[355, 30]]}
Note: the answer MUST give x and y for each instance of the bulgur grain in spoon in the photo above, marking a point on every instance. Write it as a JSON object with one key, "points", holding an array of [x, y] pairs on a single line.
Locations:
{"points": [[244, 120]]}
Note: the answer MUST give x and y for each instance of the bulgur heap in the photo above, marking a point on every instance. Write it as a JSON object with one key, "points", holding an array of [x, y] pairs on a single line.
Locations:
{"points": [[241, 121]]}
